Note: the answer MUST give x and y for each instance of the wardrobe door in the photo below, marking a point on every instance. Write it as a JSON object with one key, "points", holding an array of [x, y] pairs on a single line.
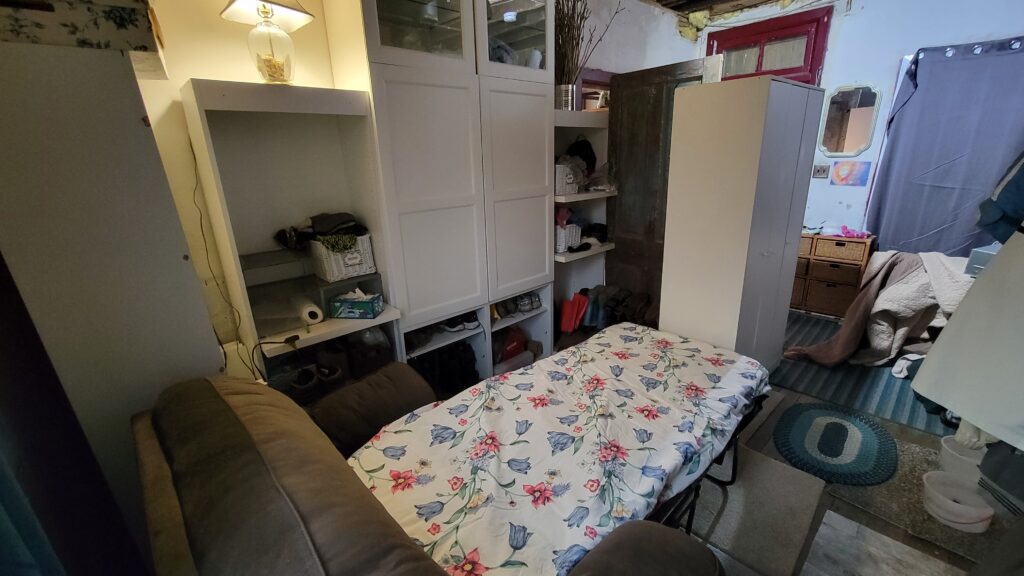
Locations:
{"points": [[428, 130], [518, 148]]}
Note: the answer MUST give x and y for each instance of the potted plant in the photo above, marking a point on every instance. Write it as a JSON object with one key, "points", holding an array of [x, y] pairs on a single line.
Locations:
{"points": [[571, 52]]}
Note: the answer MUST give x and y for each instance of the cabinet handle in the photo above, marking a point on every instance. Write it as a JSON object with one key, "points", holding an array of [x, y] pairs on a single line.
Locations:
{"points": [[829, 285], [840, 244], [834, 266]]}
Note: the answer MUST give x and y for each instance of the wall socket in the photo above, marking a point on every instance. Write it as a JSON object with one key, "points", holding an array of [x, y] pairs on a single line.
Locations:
{"points": [[820, 171]]}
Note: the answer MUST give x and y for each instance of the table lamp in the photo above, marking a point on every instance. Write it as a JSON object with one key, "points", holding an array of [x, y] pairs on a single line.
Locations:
{"points": [[269, 44]]}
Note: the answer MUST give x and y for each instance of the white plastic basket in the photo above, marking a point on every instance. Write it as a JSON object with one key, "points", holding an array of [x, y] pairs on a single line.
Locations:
{"points": [[333, 266], [565, 238], [565, 182]]}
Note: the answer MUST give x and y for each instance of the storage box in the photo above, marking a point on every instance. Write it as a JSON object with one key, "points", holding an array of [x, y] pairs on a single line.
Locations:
{"points": [[333, 266], [980, 258], [565, 183], [565, 238], [363, 309]]}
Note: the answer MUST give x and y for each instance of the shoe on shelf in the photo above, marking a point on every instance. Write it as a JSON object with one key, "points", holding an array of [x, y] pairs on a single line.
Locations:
{"points": [[418, 338], [453, 325], [534, 301], [507, 307], [495, 315], [470, 321], [523, 303]]}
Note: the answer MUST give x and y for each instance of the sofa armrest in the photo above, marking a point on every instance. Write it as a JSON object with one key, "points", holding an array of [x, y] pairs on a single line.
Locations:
{"points": [[351, 415], [642, 548]]}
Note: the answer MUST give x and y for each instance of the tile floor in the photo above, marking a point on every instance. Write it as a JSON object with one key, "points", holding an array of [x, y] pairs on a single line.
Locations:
{"points": [[843, 547]]}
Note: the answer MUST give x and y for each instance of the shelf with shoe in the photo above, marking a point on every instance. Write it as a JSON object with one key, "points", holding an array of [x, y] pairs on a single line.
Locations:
{"points": [[566, 257], [521, 329], [452, 354]]}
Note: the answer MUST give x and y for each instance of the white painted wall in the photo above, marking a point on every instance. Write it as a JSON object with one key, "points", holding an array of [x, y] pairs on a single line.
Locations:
{"points": [[866, 41], [198, 43], [645, 35]]}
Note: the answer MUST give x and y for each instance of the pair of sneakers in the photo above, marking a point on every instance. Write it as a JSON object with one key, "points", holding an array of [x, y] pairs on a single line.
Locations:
{"points": [[467, 321], [518, 304]]}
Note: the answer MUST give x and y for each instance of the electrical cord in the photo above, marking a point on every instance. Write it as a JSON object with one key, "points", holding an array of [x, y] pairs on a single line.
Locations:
{"points": [[259, 345], [236, 314]]}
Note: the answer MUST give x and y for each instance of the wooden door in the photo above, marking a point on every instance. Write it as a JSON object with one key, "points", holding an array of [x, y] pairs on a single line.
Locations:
{"points": [[640, 138], [420, 33], [518, 153], [428, 131]]}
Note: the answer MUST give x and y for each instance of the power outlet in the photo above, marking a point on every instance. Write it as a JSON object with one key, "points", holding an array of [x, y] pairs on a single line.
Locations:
{"points": [[820, 171]]}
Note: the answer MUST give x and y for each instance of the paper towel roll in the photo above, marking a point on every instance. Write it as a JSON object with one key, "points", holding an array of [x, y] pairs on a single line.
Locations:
{"points": [[309, 312]]}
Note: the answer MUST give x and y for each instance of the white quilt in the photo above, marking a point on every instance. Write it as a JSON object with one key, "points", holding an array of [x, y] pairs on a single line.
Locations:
{"points": [[526, 472]]}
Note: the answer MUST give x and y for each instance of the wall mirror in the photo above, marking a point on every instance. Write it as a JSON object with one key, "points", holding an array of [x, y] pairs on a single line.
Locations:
{"points": [[849, 121]]}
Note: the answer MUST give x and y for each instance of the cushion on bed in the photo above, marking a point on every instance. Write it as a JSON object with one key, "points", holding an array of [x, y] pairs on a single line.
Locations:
{"points": [[642, 547], [263, 491], [352, 415]]}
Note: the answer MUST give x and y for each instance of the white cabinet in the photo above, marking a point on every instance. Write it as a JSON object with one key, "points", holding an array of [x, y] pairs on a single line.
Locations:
{"points": [[518, 147], [420, 33], [428, 130], [515, 39], [737, 189]]}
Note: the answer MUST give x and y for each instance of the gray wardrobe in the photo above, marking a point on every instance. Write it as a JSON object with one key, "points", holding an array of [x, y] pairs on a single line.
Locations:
{"points": [[739, 170]]}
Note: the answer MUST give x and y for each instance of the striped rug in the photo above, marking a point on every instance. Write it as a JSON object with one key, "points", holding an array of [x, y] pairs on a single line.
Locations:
{"points": [[867, 389]]}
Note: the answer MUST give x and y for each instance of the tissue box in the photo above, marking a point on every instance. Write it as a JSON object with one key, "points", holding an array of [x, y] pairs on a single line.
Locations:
{"points": [[344, 306]]}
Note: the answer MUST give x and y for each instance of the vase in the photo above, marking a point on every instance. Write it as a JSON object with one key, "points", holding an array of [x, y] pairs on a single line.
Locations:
{"points": [[565, 97]]}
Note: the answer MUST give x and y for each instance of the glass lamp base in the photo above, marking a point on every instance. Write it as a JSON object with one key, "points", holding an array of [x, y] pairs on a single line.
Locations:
{"points": [[273, 52]]}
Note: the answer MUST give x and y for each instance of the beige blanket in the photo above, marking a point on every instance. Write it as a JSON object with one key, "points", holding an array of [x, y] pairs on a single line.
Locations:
{"points": [[901, 296]]}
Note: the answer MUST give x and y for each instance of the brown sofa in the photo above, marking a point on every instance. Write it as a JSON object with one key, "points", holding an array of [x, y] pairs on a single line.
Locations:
{"points": [[238, 479]]}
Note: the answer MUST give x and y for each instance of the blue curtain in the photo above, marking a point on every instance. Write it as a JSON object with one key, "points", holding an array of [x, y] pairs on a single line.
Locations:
{"points": [[24, 548], [957, 124]]}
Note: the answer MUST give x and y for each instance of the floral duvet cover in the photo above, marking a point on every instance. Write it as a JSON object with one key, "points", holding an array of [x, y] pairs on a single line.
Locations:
{"points": [[525, 472]]}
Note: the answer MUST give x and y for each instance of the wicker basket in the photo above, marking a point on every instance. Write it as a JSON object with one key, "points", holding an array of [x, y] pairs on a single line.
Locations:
{"points": [[333, 266], [565, 238]]}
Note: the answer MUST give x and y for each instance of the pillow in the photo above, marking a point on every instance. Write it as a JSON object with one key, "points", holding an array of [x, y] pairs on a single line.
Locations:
{"points": [[351, 415]]}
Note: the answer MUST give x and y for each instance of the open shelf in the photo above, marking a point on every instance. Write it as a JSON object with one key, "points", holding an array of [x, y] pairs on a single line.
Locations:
{"points": [[584, 196], [329, 329], [573, 256], [253, 97], [442, 339], [516, 318], [581, 118]]}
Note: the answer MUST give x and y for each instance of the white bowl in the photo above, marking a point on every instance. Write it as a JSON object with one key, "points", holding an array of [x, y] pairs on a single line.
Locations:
{"points": [[956, 503], [960, 461]]}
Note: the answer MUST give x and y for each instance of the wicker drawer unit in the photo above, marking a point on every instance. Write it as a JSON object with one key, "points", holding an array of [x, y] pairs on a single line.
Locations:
{"points": [[828, 273]]}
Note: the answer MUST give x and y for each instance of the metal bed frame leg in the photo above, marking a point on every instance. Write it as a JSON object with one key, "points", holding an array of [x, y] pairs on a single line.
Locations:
{"points": [[732, 473]]}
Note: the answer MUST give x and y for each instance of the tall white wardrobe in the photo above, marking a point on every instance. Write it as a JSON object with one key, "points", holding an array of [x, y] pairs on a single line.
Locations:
{"points": [[465, 147], [739, 171], [461, 150]]}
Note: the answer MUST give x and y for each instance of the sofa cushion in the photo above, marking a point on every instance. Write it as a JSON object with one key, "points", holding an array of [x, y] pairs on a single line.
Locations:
{"points": [[263, 491], [352, 415], [641, 547]]}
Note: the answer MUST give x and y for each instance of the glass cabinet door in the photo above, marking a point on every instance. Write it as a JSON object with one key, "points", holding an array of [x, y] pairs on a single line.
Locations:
{"points": [[515, 38], [415, 32]]}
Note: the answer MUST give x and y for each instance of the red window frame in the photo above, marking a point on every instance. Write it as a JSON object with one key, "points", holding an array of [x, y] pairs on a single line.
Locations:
{"points": [[813, 24]]}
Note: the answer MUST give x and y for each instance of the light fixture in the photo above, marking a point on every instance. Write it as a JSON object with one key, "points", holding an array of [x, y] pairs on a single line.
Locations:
{"points": [[269, 44]]}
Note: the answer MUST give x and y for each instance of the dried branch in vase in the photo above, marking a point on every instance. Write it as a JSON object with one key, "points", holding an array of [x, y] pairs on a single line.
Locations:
{"points": [[571, 52]]}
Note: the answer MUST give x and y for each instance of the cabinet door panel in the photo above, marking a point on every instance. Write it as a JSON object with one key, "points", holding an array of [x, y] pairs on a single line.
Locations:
{"points": [[523, 252], [515, 39], [428, 130], [518, 153], [439, 250], [420, 33]]}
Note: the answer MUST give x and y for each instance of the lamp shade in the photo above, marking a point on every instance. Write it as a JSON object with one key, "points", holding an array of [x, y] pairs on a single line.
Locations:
{"points": [[288, 14]]}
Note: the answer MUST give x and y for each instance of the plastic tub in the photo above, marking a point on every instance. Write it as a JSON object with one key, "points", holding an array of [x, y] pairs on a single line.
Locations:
{"points": [[956, 503], [960, 461]]}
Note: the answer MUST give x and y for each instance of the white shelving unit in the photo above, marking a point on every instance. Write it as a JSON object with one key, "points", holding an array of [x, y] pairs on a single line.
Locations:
{"points": [[578, 270], [442, 339], [583, 197], [269, 157], [516, 318], [327, 330], [567, 257]]}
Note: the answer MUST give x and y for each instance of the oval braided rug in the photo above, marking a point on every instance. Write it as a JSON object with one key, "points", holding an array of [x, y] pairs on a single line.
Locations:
{"points": [[836, 444]]}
